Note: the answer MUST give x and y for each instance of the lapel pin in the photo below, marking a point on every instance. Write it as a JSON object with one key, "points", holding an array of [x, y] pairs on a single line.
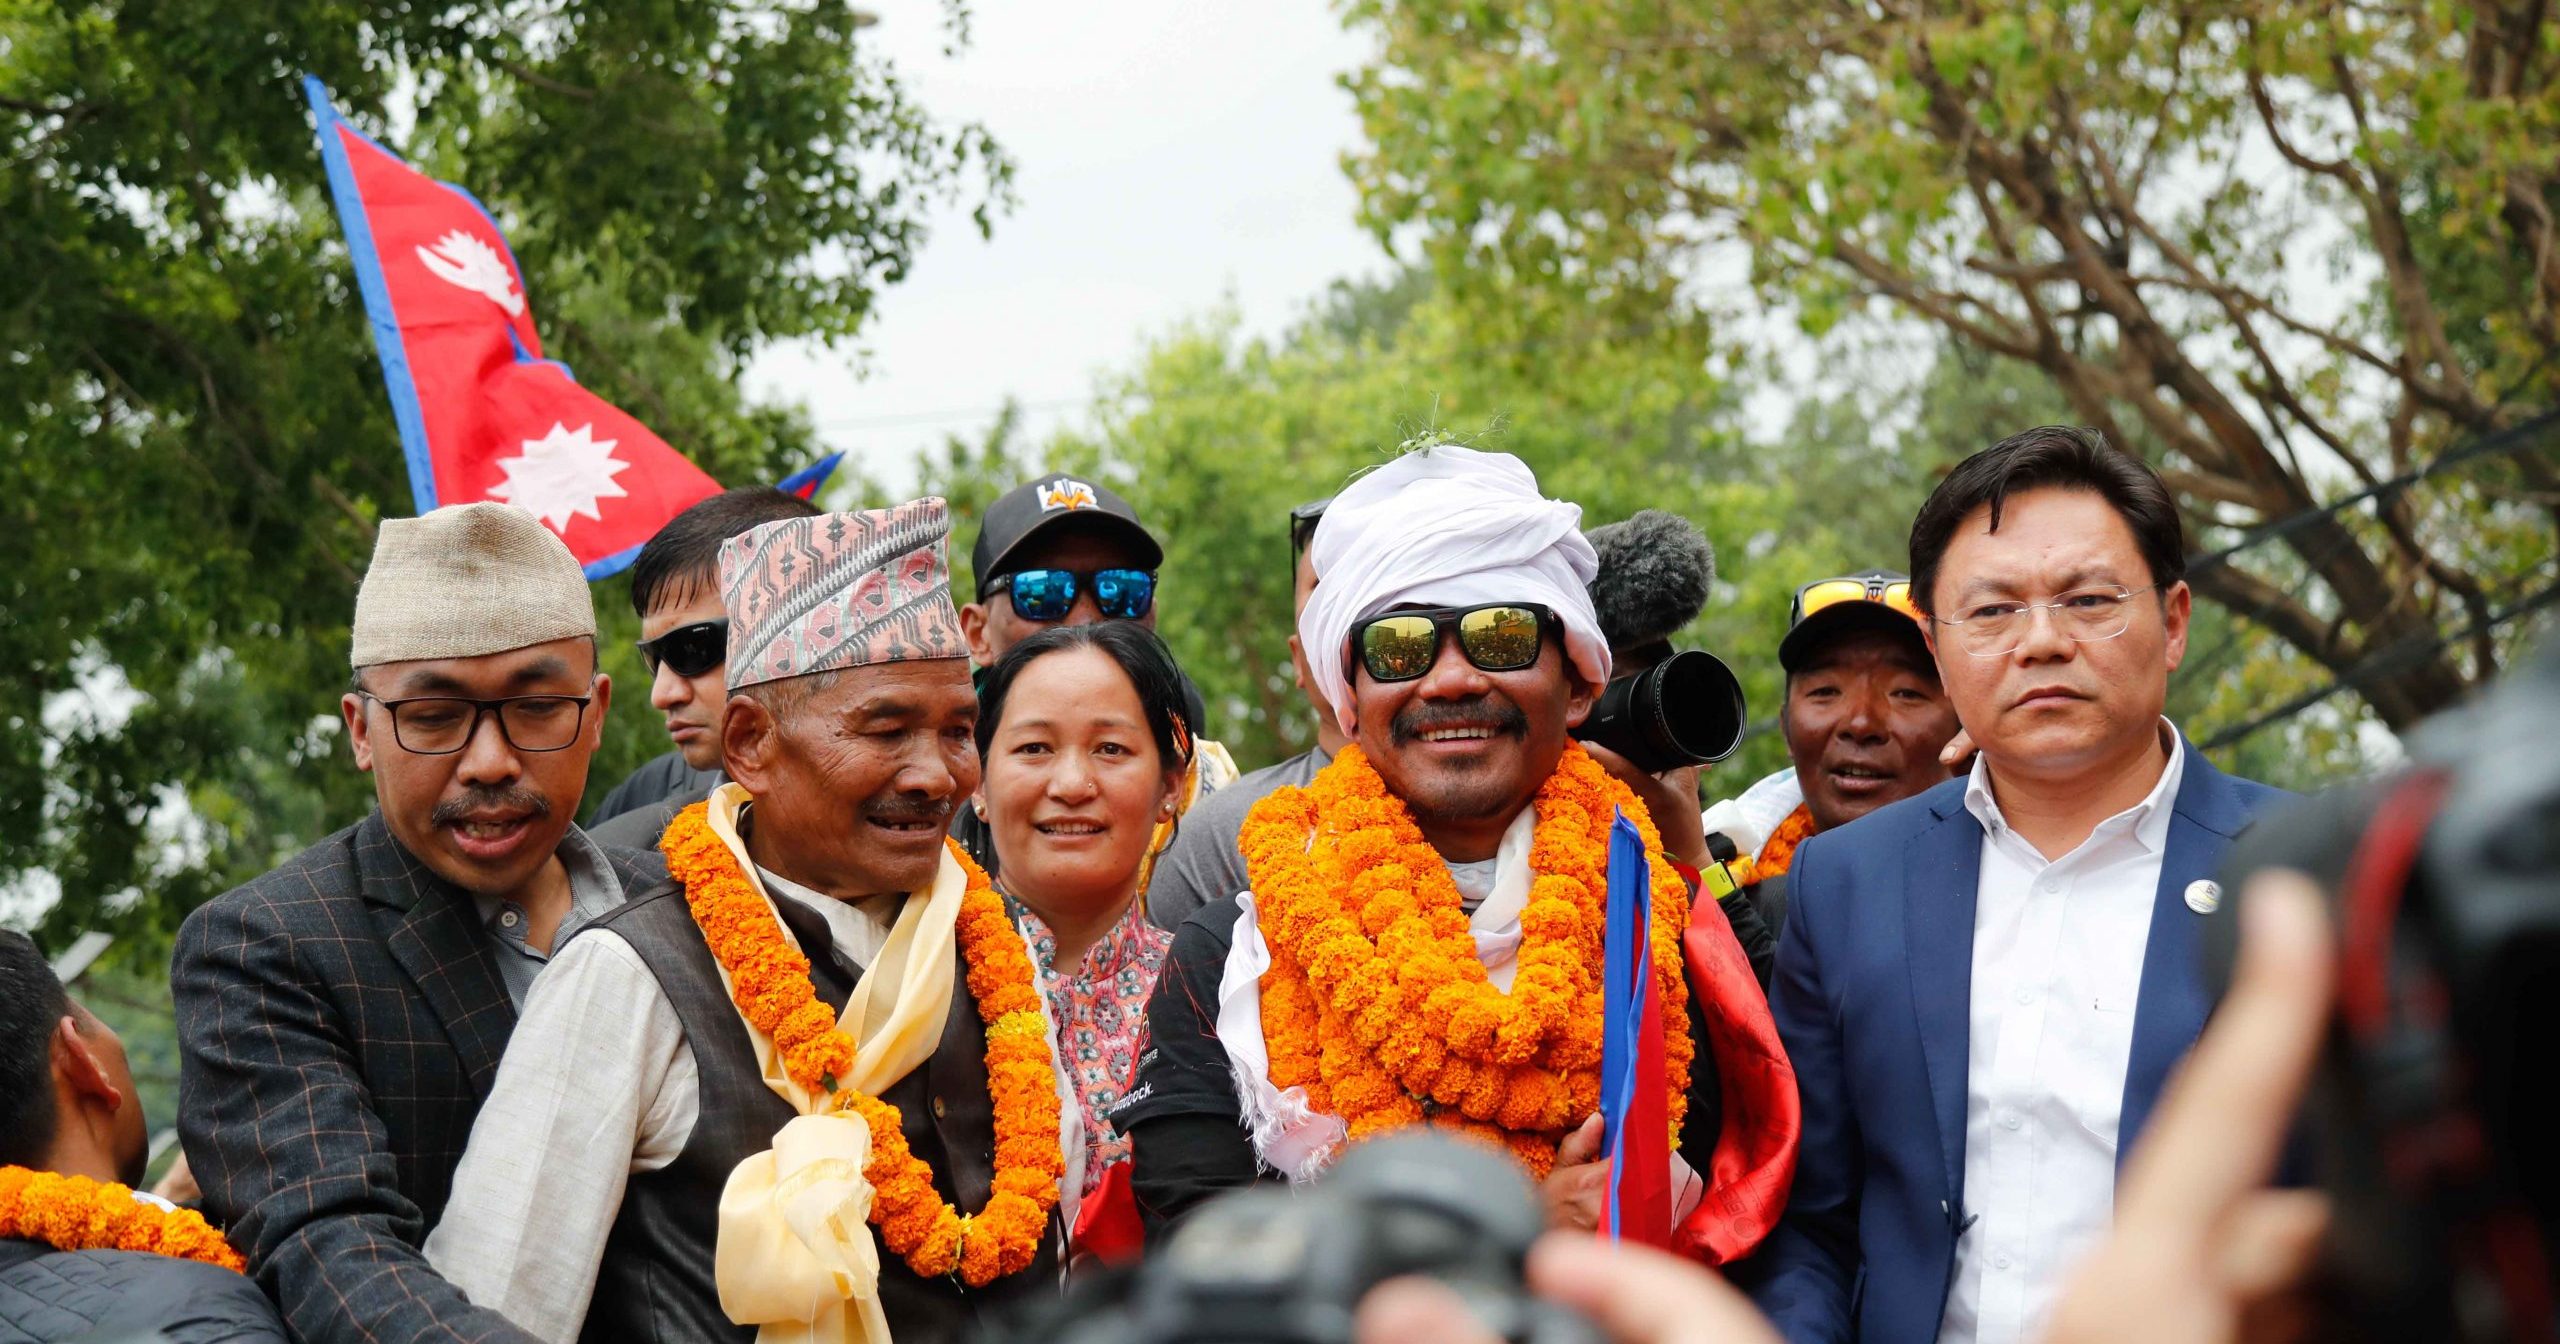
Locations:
{"points": [[2204, 897]]}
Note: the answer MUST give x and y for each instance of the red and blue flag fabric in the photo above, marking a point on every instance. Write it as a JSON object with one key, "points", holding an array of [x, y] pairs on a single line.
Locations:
{"points": [[1755, 1153], [806, 481], [482, 415], [1635, 1109]]}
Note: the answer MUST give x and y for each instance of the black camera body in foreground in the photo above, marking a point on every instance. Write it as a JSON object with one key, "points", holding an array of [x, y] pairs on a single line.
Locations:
{"points": [[1266, 1265], [2430, 1120]]}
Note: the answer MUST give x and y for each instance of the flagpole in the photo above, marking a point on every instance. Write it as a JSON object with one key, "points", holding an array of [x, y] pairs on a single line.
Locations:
{"points": [[379, 313]]}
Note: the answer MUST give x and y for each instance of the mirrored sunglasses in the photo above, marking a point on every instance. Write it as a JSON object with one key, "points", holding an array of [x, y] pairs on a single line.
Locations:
{"points": [[1402, 645], [1049, 594], [1821, 593]]}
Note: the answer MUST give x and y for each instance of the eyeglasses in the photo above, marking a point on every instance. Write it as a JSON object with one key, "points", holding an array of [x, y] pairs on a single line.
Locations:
{"points": [[1302, 523], [438, 725], [2083, 615], [1821, 593], [1049, 594], [689, 649], [1402, 645]]}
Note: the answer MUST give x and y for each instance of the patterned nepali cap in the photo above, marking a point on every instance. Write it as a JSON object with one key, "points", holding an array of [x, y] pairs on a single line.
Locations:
{"points": [[839, 590]]}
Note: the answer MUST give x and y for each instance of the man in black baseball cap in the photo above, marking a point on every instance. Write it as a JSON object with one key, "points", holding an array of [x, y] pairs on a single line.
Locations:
{"points": [[1064, 550], [1058, 550], [1864, 717]]}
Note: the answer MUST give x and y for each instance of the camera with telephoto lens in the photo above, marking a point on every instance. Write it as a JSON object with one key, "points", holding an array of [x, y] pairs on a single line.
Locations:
{"points": [[1685, 710], [2430, 1119], [1264, 1265]]}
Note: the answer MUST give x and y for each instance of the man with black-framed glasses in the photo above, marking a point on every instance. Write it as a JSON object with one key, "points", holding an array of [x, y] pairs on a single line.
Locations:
{"points": [[342, 1017], [684, 633]]}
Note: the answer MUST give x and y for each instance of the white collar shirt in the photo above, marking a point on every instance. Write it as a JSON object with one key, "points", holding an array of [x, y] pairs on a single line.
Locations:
{"points": [[858, 928], [2057, 970]]}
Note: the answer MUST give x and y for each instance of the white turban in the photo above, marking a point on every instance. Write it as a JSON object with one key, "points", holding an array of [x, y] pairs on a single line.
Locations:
{"points": [[1446, 526]]}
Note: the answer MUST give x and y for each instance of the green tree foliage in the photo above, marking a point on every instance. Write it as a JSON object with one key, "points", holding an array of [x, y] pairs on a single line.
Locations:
{"points": [[195, 444], [2286, 249], [1216, 437]]}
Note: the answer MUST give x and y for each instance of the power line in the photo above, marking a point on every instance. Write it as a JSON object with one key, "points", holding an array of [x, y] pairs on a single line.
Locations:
{"points": [[2391, 660], [2497, 443]]}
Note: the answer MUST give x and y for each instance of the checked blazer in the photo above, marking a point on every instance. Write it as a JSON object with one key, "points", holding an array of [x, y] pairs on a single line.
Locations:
{"points": [[340, 1020]]}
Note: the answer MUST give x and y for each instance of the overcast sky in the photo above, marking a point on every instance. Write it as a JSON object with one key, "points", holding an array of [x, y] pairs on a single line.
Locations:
{"points": [[1170, 156]]}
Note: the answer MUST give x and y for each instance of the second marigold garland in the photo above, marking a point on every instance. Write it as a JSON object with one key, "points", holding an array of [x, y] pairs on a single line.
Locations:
{"points": [[76, 1213], [769, 981], [1779, 852], [1375, 1002]]}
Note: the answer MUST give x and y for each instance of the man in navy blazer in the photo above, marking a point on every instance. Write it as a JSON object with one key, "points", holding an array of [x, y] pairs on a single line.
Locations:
{"points": [[1984, 987]]}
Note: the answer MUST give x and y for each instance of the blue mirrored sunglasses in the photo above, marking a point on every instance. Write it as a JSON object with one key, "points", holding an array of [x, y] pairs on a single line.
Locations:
{"points": [[1049, 594]]}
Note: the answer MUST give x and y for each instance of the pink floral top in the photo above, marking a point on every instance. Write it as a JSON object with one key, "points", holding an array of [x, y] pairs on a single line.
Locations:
{"points": [[1100, 1012]]}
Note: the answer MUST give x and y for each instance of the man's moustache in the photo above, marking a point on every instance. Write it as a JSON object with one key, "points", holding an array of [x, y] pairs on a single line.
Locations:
{"points": [[908, 809], [489, 798], [1491, 711]]}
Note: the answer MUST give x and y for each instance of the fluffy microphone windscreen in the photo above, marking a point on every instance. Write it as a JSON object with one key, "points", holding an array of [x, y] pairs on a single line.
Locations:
{"points": [[1655, 569]]}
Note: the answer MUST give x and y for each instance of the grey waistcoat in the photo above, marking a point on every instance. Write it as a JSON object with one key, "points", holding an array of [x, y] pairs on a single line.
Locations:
{"points": [[657, 1281]]}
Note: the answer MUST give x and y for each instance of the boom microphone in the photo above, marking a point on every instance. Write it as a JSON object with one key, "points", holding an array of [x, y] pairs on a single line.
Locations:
{"points": [[1655, 569]]}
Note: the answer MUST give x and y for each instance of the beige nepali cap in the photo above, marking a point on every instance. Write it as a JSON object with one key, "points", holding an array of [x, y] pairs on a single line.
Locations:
{"points": [[839, 590], [467, 580]]}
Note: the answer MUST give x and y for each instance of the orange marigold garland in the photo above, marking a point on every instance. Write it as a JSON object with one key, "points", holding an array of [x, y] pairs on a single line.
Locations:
{"points": [[769, 981], [1375, 1002], [1779, 852], [75, 1213]]}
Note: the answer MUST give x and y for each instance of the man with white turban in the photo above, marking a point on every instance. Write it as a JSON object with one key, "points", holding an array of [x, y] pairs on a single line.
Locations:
{"points": [[1421, 941]]}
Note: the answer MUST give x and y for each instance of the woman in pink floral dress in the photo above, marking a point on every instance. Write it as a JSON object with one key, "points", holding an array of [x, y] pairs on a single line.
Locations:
{"points": [[1085, 750]]}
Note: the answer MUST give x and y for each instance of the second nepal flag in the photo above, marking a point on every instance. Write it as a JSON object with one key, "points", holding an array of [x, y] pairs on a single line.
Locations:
{"points": [[482, 414]]}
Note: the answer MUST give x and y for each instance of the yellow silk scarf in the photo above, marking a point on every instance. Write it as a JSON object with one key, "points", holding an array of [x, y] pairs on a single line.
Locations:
{"points": [[796, 1257], [1211, 769]]}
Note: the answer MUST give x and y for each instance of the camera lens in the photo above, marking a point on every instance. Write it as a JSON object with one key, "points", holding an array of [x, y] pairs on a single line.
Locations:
{"points": [[1684, 710]]}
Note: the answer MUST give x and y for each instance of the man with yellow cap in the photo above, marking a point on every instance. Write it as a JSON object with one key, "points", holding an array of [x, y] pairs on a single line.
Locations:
{"points": [[803, 1090], [341, 1018]]}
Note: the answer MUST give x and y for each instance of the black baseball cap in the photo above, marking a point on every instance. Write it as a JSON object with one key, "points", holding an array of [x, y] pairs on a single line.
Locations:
{"points": [[1825, 609], [1053, 501]]}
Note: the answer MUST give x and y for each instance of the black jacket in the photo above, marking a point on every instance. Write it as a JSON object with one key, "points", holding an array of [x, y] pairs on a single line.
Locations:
{"points": [[48, 1295], [656, 779]]}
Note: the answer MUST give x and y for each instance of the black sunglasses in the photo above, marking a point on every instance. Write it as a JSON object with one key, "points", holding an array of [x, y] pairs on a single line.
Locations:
{"points": [[1302, 523], [690, 650], [1497, 637], [1049, 594]]}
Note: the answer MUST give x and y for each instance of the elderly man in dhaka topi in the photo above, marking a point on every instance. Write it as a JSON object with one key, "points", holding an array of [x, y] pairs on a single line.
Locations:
{"points": [[805, 1088]]}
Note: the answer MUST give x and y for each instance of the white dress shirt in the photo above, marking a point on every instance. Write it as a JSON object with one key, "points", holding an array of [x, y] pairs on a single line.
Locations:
{"points": [[2057, 969], [597, 1083]]}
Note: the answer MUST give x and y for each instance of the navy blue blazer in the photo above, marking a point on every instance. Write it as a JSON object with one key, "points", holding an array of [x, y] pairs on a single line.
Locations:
{"points": [[1872, 993]]}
